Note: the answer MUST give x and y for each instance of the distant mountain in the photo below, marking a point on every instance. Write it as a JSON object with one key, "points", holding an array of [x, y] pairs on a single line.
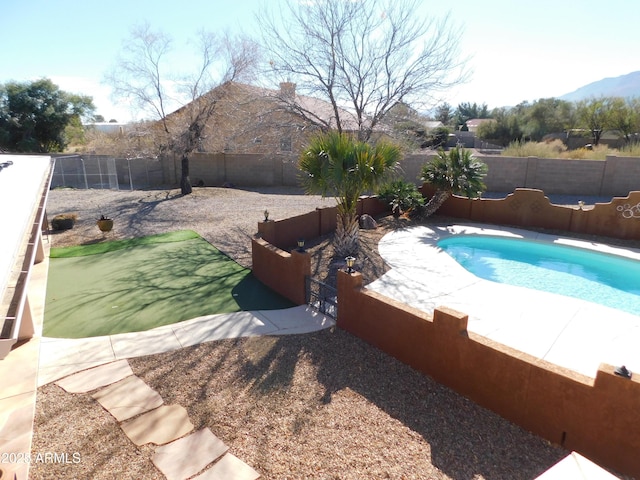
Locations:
{"points": [[623, 86]]}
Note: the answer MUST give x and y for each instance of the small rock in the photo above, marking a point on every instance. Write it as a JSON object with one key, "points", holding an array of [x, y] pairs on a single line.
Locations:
{"points": [[367, 222]]}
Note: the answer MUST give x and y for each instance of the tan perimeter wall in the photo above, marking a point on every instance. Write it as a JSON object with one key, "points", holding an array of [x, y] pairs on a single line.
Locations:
{"points": [[615, 176]]}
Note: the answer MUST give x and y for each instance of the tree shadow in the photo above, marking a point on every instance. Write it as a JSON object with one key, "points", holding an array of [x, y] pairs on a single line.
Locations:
{"points": [[306, 372], [135, 289]]}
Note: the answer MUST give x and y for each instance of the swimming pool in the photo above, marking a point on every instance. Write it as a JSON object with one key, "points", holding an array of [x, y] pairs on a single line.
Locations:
{"points": [[601, 278]]}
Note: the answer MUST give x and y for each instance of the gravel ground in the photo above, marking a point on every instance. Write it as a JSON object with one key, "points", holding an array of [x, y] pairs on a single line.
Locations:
{"points": [[322, 405]]}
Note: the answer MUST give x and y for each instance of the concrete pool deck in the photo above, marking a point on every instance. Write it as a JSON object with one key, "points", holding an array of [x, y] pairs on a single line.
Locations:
{"points": [[568, 332]]}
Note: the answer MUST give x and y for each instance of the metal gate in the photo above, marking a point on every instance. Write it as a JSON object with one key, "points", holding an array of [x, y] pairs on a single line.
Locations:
{"points": [[322, 296]]}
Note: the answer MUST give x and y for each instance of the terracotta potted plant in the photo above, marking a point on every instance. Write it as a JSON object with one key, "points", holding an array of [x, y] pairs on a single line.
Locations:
{"points": [[105, 224]]}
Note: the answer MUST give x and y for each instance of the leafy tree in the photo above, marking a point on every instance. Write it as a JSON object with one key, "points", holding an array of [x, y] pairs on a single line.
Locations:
{"points": [[34, 115], [545, 116], [366, 56], [467, 111], [504, 129], [625, 116], [444, 113], [594, 114], [454, 172], [407, 126], [336, 164], [143, 73]]}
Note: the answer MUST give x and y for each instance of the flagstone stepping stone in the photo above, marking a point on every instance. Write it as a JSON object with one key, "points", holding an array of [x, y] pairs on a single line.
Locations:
{"points": [[229, 467], [96, 377], [128, 397], [188, 455], [159, 426]]}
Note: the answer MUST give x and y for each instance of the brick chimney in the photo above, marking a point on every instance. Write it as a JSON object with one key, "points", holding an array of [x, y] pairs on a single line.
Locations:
{"points": [[288, 90]]}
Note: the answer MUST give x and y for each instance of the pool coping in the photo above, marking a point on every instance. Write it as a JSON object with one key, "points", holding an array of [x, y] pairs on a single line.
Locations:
{"points": [[562, 330]]}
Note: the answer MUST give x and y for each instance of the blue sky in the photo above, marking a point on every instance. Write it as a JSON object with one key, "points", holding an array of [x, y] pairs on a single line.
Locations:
{"points": [[520, 50]]}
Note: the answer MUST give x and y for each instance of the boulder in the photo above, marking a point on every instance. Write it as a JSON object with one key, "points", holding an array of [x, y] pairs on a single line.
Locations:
{"points": [[367, 222]]}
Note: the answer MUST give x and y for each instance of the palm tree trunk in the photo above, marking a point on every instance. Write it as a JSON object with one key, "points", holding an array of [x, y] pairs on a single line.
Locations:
{"points": [[435, 202], [345, 240]]}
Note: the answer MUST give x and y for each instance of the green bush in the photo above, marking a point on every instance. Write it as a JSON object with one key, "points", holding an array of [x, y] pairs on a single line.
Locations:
{"points": [[64, 221], [401, 196], [439, 137]]}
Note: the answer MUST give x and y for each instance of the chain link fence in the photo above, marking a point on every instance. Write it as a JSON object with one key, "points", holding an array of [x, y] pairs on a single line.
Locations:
{"points": [[105, 172]]}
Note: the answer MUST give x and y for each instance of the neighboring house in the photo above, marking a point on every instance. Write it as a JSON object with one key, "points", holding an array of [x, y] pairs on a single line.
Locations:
{"points": [[107, 127], [249, 119], [473, 123], [431, 124]]}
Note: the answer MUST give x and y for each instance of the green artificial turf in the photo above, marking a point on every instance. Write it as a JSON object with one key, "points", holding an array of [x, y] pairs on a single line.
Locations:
{"points": [[139, 284]]}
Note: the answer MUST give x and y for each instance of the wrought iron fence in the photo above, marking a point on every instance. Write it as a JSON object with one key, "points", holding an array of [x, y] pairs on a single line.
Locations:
{"points": [[322, 297]]}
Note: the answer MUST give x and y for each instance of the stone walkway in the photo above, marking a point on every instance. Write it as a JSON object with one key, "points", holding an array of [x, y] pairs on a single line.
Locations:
{"points": [[180, 452]]}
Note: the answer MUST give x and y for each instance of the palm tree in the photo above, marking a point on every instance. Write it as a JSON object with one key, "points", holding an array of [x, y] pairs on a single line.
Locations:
{"points": [[335, 164], [457, 172]]}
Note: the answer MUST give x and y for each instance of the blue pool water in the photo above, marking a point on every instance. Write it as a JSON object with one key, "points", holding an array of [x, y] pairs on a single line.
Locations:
{"points": [[609, 280]]}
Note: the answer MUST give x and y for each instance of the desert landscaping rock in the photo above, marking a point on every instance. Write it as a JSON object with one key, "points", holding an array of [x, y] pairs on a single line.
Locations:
{"points": [[367, 222], [229, 467]]}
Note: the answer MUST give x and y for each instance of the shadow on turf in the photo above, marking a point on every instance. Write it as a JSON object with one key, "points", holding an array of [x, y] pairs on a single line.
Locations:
{"points": [[146, 286]]}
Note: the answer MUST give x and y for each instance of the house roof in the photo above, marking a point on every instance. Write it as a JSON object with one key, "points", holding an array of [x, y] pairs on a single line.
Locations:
{"points": [[476, 122], [314, 109]]}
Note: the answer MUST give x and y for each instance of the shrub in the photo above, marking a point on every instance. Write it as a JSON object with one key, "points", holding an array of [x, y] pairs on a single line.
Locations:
{"points": [[598, 152], [439, 137], [64, 221], [557, 149], [401, 196], [552, 149], [631, 150]]}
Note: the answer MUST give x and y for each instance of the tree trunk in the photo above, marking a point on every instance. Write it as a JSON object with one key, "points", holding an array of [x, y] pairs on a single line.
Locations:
{"points": [[435, 202], [345, 240], [185, 182]]}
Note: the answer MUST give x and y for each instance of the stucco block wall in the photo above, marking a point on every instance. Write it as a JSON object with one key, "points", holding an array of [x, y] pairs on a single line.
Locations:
{"points": [[615, 176], [621, 174], [562, 406], [619, 218], [283, 272]]}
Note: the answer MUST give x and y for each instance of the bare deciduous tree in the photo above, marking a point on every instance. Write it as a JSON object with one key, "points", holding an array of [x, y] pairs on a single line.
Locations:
{"points": [[364, 56], [143, 76]]}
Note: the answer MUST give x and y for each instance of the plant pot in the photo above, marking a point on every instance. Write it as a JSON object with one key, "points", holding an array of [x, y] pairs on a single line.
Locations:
{"points": [[105, 225]]}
